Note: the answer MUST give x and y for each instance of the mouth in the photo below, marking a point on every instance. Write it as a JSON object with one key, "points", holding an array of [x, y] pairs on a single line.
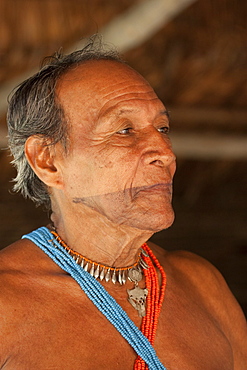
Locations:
{"points": [[130, 193], [152, 189]]}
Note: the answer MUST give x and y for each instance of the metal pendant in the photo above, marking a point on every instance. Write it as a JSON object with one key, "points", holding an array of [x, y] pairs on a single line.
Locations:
{"points": [[135, 274], [137, 298]]}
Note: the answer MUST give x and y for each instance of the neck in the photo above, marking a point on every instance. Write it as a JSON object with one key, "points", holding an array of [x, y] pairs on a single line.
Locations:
{"points": [[99, 239]]}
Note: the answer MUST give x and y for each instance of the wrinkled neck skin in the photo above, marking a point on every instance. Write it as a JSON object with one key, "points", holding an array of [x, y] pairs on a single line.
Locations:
{"points": [[98, 238]]}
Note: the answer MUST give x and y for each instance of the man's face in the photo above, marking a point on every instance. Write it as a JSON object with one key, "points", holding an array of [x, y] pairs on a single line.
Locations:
{"points": [[120, 162]]}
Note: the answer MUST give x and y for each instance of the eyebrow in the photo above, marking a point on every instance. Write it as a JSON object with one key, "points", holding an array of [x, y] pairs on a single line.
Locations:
{"points": [[165, 113], [114, 111]]}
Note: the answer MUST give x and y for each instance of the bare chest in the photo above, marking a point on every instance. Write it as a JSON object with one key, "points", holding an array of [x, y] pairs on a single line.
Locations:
{"points": [[66, 331]]}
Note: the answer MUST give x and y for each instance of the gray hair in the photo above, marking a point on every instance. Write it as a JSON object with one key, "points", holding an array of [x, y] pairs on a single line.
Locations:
{"points": [[34, 109]]}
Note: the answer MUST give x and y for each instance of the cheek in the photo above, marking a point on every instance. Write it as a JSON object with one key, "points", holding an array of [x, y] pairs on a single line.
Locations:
{"points": [[101, 170], [113, 162], [107, 164]]}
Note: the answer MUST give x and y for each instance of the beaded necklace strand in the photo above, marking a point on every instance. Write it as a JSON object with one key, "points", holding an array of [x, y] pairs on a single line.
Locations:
{"points": [[140, 342], [98, 270], [154, 301]]}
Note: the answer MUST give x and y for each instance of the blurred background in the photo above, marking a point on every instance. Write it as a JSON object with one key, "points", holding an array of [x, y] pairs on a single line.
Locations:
{"points": [[194, 54]]}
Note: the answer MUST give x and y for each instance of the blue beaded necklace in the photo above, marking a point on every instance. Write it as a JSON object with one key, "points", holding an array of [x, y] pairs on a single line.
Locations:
{"points": [[98, 295]]}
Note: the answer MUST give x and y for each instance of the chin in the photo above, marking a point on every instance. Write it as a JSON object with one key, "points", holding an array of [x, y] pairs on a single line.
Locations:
{"points": [[154, 223], [161, 224]]}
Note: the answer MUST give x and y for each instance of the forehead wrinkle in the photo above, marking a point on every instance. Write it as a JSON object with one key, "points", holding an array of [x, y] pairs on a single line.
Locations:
{"points": [[115, 107], [129, 86], [125, 91]]}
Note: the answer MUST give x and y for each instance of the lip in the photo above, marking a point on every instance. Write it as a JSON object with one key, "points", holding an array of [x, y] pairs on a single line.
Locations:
{"points": [[155, 188]]}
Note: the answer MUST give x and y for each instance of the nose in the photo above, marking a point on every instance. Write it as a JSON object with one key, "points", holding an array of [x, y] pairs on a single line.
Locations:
{"points": [[157, 149]]}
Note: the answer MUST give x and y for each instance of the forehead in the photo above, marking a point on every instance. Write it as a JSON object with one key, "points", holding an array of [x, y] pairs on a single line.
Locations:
{"points": [[95, 87]]}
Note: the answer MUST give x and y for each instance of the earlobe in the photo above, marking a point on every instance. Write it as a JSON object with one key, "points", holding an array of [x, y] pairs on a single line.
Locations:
{"points": [[42, 158]]}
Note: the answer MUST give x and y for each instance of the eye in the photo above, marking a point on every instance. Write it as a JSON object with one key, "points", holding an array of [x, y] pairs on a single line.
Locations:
{"points": [[164, 130], [124, 131]]}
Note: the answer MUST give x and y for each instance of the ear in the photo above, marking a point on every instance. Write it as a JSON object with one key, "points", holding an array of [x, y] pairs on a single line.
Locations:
{"points": [[42, 158]]}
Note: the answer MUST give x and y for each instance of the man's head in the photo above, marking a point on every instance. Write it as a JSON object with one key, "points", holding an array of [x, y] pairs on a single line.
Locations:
{"points": [[35, 110], [119, 163], [109, 150]]}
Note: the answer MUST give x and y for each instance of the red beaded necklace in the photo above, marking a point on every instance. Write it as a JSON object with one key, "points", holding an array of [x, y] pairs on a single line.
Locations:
{"points": [[155, 299]]}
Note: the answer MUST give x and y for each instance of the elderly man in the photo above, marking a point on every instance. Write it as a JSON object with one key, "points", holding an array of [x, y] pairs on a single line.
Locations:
{"points": [[90, 140]]}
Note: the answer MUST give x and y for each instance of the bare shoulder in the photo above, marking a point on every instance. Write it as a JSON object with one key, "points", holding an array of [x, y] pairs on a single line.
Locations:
{"points": [[196, 270], [22, 265], [17, 259], [207, 284], [200, 275], [12, 282], [27, 277], [17, 268], [11, 260]]}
